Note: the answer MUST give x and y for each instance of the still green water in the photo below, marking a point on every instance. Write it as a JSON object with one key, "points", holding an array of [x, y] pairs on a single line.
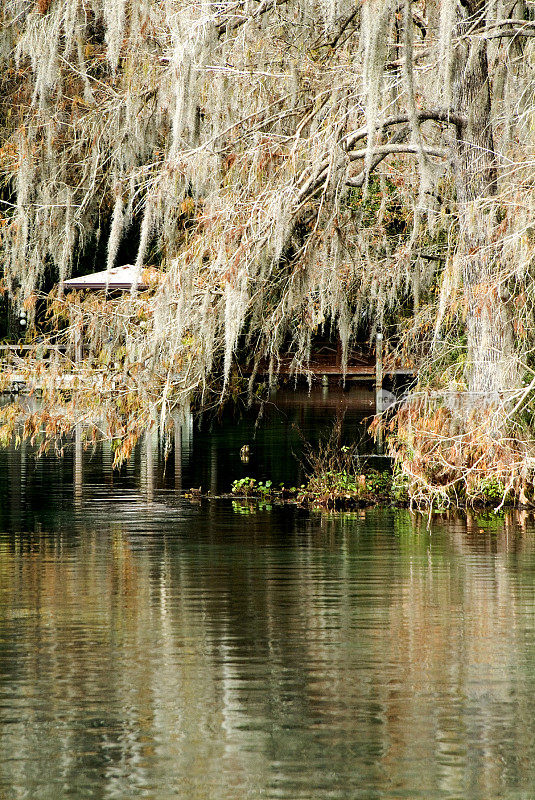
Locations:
{"points": [[154, 647]]}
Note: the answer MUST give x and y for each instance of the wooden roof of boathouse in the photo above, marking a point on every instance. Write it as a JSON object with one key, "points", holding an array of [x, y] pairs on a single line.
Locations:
{"points": [[112, 280]]}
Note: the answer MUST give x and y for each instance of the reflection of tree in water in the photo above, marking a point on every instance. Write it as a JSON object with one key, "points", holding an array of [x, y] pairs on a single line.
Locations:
{"points": [[193, 650], [458, 637]]}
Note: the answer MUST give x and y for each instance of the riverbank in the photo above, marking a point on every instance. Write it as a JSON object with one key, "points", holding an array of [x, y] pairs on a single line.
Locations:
{"points": [[343, 491]]}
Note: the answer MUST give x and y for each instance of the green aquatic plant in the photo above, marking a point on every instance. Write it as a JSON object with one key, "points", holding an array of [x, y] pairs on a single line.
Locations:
{"points": [[250, 487]]}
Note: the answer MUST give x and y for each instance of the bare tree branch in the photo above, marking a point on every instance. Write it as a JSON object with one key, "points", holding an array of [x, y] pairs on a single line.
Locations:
{"points": [[388, 149], [231, 23]]}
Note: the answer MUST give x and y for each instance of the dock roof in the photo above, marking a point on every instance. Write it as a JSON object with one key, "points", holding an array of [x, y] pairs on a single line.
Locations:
{"points": [[118, 278]]}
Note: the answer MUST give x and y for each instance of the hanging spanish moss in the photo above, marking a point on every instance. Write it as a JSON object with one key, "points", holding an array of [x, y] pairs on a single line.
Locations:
{"points": [[280, 169]]}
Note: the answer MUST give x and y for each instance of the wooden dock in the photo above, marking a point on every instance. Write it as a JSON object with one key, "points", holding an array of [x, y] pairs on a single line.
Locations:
{"points": [[329, 366], [11, 357], [324, 368]]}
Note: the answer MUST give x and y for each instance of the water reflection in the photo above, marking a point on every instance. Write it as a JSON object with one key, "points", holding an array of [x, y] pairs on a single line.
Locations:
{"points": [[174, 649], [206, 453]]}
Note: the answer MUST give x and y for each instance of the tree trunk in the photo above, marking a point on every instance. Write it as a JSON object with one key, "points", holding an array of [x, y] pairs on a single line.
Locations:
{"points": [[492, 366]]}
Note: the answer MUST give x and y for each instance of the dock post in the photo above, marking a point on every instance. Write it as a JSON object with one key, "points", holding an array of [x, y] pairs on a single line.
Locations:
{"points": [[78, 464], [178, 455], [379, 387]]}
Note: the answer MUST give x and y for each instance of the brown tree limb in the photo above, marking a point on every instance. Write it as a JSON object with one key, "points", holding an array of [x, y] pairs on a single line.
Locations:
{"points": [[446, 115], [358, 181], [388, 149]]}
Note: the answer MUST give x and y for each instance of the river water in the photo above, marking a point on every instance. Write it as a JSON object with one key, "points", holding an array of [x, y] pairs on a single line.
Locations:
{"points": [[153, 646]]}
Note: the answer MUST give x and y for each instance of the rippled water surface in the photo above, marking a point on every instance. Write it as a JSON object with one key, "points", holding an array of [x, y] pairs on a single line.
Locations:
{"points": [[154, 647]]}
